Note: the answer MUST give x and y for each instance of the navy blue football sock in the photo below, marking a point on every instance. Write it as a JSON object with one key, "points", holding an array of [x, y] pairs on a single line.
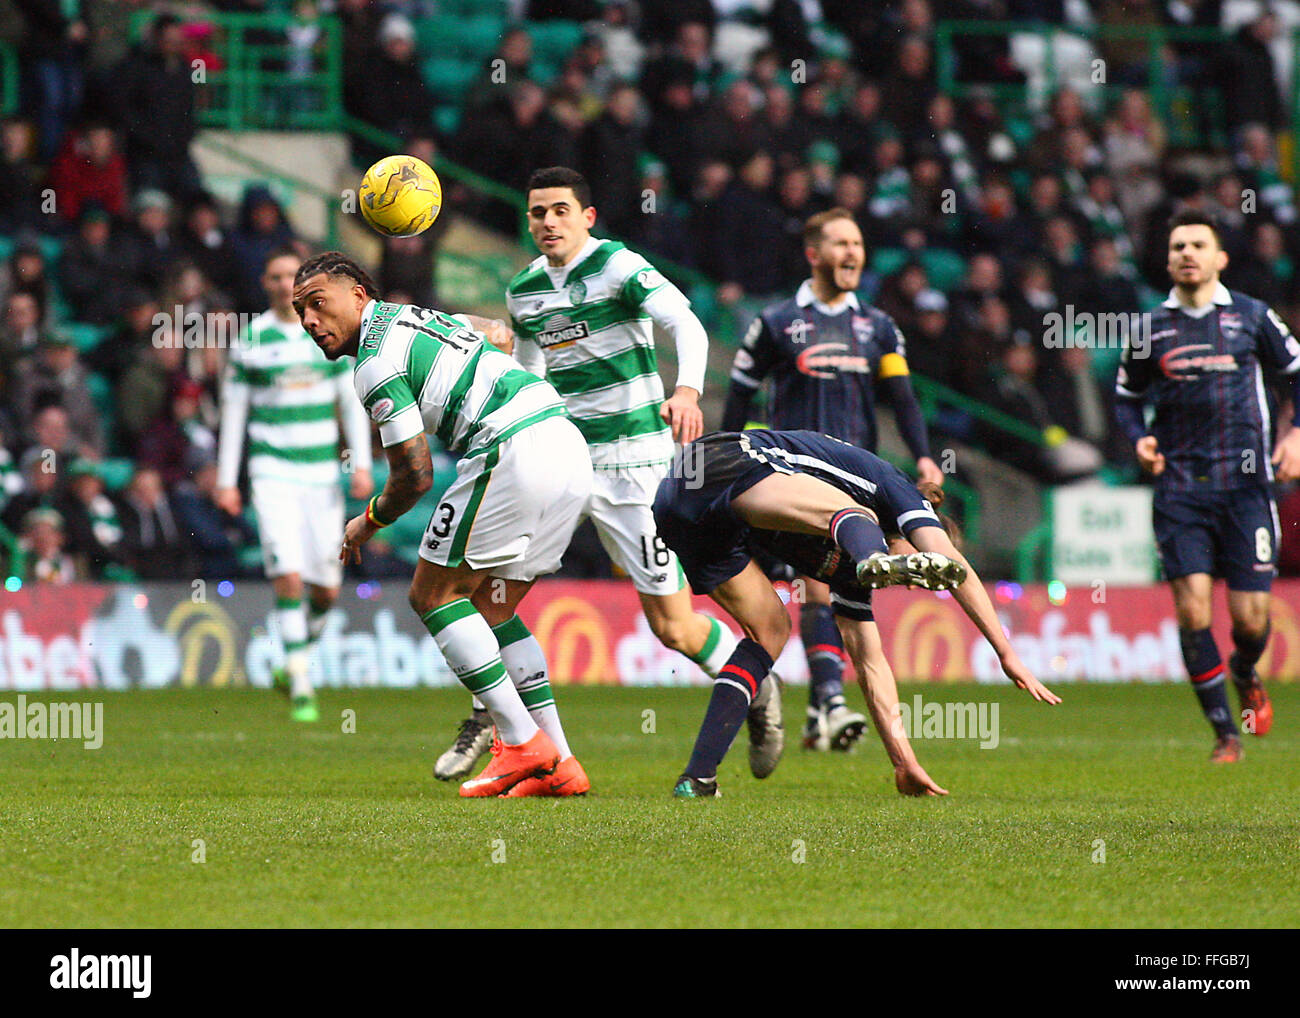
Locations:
{"points": [[733, 689], [1205, 668], [825, 650], [1249, 650], [856, 532]]}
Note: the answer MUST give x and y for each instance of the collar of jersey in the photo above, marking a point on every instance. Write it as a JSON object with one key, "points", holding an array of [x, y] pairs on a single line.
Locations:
{"points": [[559, 273], [805, 297], [1221, 297], [367, 313]]}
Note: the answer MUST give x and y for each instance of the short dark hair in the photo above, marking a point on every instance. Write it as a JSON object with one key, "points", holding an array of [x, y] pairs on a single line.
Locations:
{"points": [[815, 226], [561, 176], [1191, 217], [281, 251], [335, 264]]}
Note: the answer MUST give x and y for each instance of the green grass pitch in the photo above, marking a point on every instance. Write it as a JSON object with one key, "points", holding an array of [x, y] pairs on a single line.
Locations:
{"points": [[310, 826]]}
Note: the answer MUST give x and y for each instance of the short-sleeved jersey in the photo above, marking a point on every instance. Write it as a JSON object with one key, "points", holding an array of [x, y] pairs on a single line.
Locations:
{"points": [[588, 321], [1204, 377], [824, 367], [419, 370], [293, 431]]}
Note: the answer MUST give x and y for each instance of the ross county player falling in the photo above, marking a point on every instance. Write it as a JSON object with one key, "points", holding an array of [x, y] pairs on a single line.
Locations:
{"points": [[584, 315], [521, 482], [1209, 447], [287, 396], [827, 353]]}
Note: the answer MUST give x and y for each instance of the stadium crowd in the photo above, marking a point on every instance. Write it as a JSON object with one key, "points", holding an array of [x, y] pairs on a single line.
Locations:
{"points": [[710, 129]]}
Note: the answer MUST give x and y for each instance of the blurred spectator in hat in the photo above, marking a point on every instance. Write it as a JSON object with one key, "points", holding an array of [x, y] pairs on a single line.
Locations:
{"points": [[510, 63], [43, 539], [214, 534], [899, 293], [1247, 76], [176, 434], [144, 387], [41, 468], [908, 90], [132, 332], [156, 546], [26, 270], [752, 254], [678, 124], [610, 149], [155, 101], [20, 178], [395, 72], [262, 227], [204, 239], [932, 343], [97, 267], [662, 228], [153, 236], [689, 59], [54, 57], [53, 374], [89, 167], [21, 330], [93, 528]]}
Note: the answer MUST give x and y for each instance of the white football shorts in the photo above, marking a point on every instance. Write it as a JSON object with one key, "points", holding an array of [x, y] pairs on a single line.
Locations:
{"points": [[301, 529]]}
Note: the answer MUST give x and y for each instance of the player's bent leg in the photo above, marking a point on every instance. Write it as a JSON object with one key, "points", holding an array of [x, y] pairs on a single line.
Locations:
{"points": [[293, 679], [830, 724], [1249, 610], [441, 596], [1192, 607], [749, 598]]}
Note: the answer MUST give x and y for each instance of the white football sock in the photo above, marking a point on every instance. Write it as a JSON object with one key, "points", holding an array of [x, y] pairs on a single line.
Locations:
{"points": [[526, 663], [291, 620], [717, 649]]}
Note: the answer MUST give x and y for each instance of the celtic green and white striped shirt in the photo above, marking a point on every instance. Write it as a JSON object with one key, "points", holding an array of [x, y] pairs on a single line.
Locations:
{"points": [[419, 370], [281, 386], [588, 324]]}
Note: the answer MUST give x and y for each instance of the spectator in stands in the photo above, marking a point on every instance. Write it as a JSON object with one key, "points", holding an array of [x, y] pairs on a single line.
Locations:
{"points": [[153, 237], [509, 64], [796, 204], [1247, 76], [788, 136], [899, 293], [907, 91], [54, 55], [998, 224], [53, 374], [89, 167], [144, 387], [661, 228], [215, 535], [1266, 272], [931, 342], [21, 331], [114, 354], [91, 522], [393, 95], [1079, 403], [98, 267], [26, 271], [851, 194], [155, 102], [41, 468], [734, 130], [1064, 253], [753, 260], [156, 546], [1109, 287], [43, 539], [204, 240], [979, 346], [172, 440], [262, 227], [677, 126], [689, 60], [20, 178], [859, 128], [611, 146], [891, 193], [1257, 163]]}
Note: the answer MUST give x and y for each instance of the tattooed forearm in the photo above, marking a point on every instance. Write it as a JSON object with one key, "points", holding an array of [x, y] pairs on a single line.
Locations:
{"points": [[410, 475]]}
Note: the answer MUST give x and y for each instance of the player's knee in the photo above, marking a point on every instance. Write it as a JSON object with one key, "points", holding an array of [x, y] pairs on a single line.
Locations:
{"points": [[675, 634], [771, 634]]}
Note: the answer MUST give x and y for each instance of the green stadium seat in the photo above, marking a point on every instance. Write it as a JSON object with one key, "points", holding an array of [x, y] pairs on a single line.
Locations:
{"points": [[945, 268], [473, 8], [468, 37], [86, 336], [6, 248], [447, 119], [553, 41], [449, 79], [888, 260], [116, 473]]}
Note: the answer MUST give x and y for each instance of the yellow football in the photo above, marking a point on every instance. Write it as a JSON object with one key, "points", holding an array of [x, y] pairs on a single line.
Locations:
{"points": [[400, 196]]}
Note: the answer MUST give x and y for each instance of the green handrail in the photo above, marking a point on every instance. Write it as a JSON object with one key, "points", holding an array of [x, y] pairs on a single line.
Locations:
{"points": [[9, 80], [17, 556]]}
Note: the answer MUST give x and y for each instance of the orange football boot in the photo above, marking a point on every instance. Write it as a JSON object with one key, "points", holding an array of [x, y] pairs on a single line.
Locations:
{"points": [[1255, 698], [1227, 749], [510, 765], [569, 779]]}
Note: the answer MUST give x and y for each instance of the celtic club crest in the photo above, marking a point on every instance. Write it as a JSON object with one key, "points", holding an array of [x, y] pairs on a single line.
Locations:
{"points": [[577, 292]]}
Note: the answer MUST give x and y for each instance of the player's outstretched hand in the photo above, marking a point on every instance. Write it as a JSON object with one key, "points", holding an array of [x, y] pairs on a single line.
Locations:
{"points": [[1150, 458], [910, 779], [682, 412], [358, 531], [1286, 457], [499, 334], [1017, 672]]}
